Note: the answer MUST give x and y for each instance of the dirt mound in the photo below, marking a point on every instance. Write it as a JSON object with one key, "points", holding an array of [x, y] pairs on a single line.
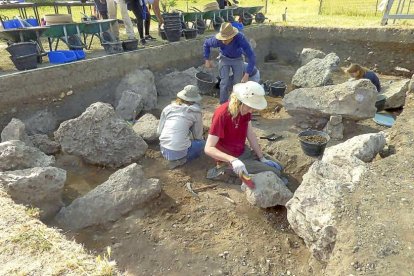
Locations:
{"points": [[376, 229]]}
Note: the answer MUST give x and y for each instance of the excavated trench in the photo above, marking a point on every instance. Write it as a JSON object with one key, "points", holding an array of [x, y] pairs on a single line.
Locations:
{"points": [[219, 233]]}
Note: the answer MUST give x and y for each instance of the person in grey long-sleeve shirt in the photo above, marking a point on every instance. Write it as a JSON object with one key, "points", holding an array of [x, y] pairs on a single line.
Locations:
{"points": [[179, 122]]}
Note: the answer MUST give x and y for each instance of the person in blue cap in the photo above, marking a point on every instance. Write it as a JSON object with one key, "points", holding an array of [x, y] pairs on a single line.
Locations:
{"points": [[233, 45]]}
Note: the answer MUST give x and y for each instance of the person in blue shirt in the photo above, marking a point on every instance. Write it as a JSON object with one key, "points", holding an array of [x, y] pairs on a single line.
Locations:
{"points": [[232, 46], [358, 72]]}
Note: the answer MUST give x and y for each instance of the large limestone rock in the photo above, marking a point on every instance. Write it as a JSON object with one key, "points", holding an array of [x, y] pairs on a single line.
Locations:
{"points": [[130, 105], [353, 100], [146, 127], [42, 142], [123, 191], [318, 72], [42, 122], [411, 85], [101, 137], [270, 191], [16, 155], [395, 92], [15, 130], [312, 211], [142, 83], [308, 54], [174, 82], [39, 187]]}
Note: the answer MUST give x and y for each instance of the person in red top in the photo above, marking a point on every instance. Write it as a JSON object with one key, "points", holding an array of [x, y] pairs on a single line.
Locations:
{"points": [[231, 126]]}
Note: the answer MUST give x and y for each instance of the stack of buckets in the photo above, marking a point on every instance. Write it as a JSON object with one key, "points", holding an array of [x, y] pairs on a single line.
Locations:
{"points": [[172, 26]]}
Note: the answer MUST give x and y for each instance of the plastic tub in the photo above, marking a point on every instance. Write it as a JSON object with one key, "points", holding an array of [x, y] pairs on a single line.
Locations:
{"points": [[26, 62], [113, 47], [238, 26], [200, 26], [22, 49], [58, 57], [32, 21], [313, 142], [80, 54], [12, 24], [190, 33], [205, 82], [217, 23], [277, 89], [163, 35], [173, 36], [130, 44]]}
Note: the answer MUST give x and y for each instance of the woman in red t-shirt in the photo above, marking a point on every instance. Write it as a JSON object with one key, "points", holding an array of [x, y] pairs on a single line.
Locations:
{"points": [[231, 126]]}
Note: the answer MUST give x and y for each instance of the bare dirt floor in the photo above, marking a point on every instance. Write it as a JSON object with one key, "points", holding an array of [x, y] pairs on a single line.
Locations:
{"points": [[216, 232]]}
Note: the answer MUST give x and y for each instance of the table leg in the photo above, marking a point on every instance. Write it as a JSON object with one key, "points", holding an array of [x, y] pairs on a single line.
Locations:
{"points": [[69, 10]]}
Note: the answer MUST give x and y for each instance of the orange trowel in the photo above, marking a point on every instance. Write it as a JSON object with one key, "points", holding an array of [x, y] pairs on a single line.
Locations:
{"points": [[246, 179]]}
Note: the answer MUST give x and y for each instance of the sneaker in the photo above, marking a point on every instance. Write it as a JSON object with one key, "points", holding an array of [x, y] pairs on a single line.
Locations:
{"points": [[149, 37], [143, 41], [172, 164]]}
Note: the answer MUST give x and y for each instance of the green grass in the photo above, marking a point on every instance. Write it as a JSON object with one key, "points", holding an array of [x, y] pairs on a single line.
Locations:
{"points": [[299, 12], [302, 13]]}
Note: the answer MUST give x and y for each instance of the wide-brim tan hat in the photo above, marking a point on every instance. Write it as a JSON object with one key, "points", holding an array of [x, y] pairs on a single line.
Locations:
{"points": [[190, 93], [251, 94], [227, 31]]}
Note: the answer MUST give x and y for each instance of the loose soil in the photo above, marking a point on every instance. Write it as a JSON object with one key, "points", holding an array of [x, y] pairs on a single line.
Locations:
{"points": [[218, 232], [315, 139]]}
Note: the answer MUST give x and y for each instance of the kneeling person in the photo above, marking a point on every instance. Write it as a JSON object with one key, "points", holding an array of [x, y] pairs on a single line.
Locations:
{"points": [[180, 121], [231, 126]]}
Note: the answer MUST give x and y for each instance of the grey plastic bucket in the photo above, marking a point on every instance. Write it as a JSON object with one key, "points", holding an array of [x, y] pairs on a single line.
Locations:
{"points": [[313, 148]]}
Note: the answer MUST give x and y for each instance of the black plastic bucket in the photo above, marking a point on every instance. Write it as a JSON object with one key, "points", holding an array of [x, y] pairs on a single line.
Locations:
{"points": [[163, 35], [277, 89], [26, 62], [130, 44], [190, 33], [313, 142], [200, 26], [113, 47], [22, 49], [217, 23], [173, 35], [205, 82]]}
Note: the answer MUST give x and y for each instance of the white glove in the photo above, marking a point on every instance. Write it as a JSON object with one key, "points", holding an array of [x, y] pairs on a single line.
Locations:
{"points": [[238, 167]]}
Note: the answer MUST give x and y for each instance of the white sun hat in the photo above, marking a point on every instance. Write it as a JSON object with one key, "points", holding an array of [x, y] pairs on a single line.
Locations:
{"points": [[251, 94], [190, 93]]}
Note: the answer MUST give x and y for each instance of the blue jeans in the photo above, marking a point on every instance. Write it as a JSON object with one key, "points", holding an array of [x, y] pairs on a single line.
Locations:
{"points": [[225, 65], [195, 150]]}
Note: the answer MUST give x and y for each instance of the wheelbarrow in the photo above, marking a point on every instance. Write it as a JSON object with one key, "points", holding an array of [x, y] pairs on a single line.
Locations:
{"points": [[246, 15], [214, 18]]}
